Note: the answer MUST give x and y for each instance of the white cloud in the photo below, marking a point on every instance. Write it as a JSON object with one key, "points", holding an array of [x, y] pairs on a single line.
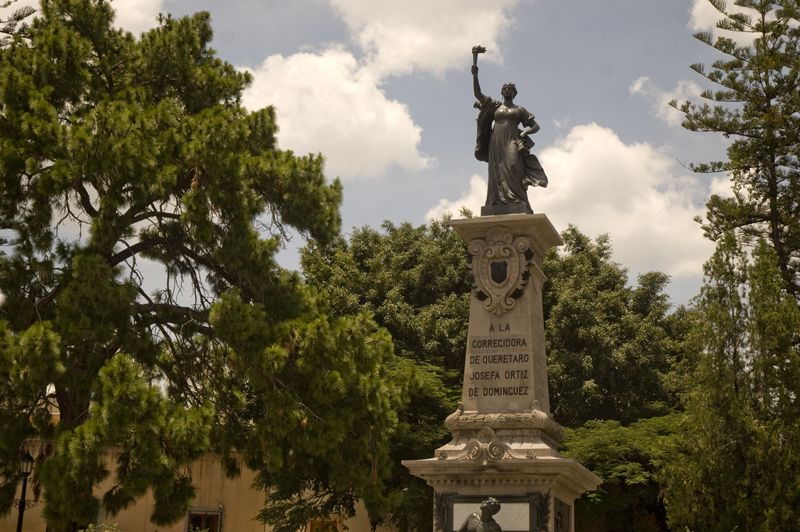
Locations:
{"points": [[704, 17], [19, 4], [561, 123], [327, 102], [633, 192], [6, 12], [399, 37], [333, 102], [721, 186], [471, 199], [659, 99], [137, 16]]}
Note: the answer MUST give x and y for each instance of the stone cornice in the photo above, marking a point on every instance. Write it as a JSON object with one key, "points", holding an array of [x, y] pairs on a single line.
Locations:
{"points": [[535, 419]]}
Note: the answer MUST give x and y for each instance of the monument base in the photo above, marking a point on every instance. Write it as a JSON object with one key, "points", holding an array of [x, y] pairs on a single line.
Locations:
{"points": [[505, 442], [516, 208], [512, 457]]}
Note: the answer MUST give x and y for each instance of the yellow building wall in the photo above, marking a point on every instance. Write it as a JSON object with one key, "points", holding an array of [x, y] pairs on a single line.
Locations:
{"points": [[236, 498]]}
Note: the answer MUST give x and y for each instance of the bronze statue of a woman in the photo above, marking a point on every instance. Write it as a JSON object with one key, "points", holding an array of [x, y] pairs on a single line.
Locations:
{"points": [[506, 147]]}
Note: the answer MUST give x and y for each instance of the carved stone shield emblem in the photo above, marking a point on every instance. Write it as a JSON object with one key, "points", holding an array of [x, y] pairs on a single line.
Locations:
{"points": [[500, 268], [499, 271]]}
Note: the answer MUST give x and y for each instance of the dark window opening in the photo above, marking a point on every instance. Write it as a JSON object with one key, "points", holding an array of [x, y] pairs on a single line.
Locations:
{"points": [[205, 521]]}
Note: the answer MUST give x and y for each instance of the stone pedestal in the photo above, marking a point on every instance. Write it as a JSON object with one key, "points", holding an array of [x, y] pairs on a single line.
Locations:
{"points": [[505, 442]]}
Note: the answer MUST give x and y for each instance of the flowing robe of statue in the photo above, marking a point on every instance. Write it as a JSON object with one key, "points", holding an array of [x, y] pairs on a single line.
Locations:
{"points": [[512, 168]]}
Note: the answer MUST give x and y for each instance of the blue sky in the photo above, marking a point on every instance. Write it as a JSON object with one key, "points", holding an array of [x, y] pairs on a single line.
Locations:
{"points": [[383, 90]]}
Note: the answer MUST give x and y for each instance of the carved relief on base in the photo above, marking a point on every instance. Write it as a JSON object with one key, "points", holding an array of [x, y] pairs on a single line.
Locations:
{"points": [[533, 419], [488, 449], [485, 448], [500, 268]]}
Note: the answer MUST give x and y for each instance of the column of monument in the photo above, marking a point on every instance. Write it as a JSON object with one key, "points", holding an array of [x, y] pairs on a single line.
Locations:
{"points": [[504, 440]]}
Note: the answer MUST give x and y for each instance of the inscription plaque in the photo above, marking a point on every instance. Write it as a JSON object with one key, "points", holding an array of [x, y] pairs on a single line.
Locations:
{"points": [[505, 368]]}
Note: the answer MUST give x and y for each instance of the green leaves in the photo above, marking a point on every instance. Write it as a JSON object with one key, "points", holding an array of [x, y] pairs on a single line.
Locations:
{"points": [[412, 280], [628, 459], [329, 421], [730, 466], [34, 359], [142, 207], [138, 433], [757, 106], [608, 345], [28, 361], [138, 420], [739, 388]]}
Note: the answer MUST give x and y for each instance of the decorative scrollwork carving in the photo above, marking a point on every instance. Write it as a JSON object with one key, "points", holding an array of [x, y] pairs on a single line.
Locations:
{"points": [[485, 448], [500, 268]]}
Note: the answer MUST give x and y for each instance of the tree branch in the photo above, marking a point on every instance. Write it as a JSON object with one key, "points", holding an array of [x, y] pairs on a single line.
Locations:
{"points": [[164, 313], [172, 310], [177, 244], [86, 201], [142, 216]]}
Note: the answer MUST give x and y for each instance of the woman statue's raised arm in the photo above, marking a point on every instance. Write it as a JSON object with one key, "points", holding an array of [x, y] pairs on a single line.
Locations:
{"points": [[476, 86]]}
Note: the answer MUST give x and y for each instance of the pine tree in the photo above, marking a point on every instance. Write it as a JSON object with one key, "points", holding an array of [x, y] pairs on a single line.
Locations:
{"points": [[733, 466], [141, 207], [735, 463], [756, 103], [703, 479]]}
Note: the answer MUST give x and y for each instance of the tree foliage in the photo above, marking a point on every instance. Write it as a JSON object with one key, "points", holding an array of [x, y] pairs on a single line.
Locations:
{"points": [[733, 466], [608, 345], [756, 103], [413, 281], [628, 459], [140, 208]]}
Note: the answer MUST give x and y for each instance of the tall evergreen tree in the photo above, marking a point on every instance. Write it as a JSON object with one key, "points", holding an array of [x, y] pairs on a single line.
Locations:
{"points": [[717, 430], [735, 463], [733, 466], [140, 208], [757, 104]]}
